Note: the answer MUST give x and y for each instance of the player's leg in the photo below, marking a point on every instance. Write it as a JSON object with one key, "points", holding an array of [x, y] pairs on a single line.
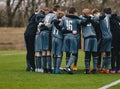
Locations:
{"points": [[31, 51], [75, 63], [95, 62], [107, 62], [99, 61], [67, 57], [70, 62], [87, 62], [113, 58], [44, 61], [38, 62], [118, 61], [58, 64], [58, 55], [49, 61]]}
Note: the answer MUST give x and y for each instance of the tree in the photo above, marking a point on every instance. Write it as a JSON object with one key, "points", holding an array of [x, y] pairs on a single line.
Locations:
{"points": [[11, 10]]}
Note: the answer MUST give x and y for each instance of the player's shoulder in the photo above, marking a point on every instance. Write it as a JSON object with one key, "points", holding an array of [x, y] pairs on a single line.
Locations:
{"points": [[72, 16]]}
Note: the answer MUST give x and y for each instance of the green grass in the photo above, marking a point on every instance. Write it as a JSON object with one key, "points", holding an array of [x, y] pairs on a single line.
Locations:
{"points": [[14, 76]]}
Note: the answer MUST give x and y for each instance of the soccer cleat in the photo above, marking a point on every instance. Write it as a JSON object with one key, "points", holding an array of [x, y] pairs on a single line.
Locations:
{"points": [[87, 71], [102, 70], [58, 72], [118, 71], [75, 68], [36, 70], [68, 70], [112, 71], [94, 71], [53, 72], [49, 71], [106, 71]]}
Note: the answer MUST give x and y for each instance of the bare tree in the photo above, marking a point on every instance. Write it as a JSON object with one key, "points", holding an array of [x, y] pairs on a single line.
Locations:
{"points": [[11, 10]]}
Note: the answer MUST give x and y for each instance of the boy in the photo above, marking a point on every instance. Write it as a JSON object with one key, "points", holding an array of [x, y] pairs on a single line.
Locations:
{"points": [[105, 48], [99, 36], [39, 18], [115, 51], [90, 41], [46, 38], [70, 28], [29, 37], [57, 42]]}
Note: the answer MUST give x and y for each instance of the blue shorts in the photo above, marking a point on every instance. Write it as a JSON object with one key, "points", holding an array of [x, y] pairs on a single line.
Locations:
{"points": [[57, 46], [70, 44], [90, 44], [45, 40], [37, 43], [105, 45]]}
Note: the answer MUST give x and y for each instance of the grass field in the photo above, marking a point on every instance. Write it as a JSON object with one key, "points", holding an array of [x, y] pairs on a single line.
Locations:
{"points": [[14, 76]]}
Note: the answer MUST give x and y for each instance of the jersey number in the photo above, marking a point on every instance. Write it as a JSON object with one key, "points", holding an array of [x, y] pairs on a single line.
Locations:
{"points": [[69, 25], [55, 32]]}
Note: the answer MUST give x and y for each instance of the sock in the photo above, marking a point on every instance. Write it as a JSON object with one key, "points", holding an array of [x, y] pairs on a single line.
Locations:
{"points": [[38, 62], [95, 62], [75, 63], [49, 61], [54, 62], [58, 64], [108, 61], [44, 62], [71, 61], [103, 62], [87, 63], [67, 59]]}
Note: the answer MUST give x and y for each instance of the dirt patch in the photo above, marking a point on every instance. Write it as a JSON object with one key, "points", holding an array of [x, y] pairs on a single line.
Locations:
{"points": [[12, 38]]}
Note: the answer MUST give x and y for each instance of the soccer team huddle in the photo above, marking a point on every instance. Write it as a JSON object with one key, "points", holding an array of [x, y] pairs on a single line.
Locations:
{"points": [[57, 33]]}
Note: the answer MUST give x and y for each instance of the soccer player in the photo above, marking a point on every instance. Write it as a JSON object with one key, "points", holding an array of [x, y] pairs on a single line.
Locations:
{"points": [[70, 28], [90, 41], [57, 42], [115, 51], [99, 36], [106, 38], [39, 18], [29, 36], [46, 38]]}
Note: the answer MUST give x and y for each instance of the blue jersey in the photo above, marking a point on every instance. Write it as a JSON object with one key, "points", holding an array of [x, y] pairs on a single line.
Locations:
{"points": [[56, 31], [70, 23], [87, 29], [104, 25], [49, 18]]}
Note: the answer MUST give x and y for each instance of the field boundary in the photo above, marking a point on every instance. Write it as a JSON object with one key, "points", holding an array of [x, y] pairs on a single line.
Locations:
{"points": [[110, 85]]}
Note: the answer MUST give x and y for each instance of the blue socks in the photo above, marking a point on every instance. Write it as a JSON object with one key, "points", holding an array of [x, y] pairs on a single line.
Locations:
{"points": [[95, 62], [87, 63], [44, 62], [49, 61], [38, 62], [58, 63], [71, 61], [108, 61]]}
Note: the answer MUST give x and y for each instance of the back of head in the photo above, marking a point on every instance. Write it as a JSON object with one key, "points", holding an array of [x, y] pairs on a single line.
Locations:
{"points": [[94, 11], [56, 7], [86, 11], [60, 15], [107, 10], [72, 10]]}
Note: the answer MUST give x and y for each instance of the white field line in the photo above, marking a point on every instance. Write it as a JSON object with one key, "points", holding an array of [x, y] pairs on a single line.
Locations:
{"points": [[110, 85], [17, 53]]}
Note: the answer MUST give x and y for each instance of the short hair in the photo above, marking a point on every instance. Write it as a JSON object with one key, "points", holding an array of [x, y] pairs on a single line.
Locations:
{"points": [[72, 10], [94, 11], [60, 14], [56, 7], [86, 11], [107, 10]]}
